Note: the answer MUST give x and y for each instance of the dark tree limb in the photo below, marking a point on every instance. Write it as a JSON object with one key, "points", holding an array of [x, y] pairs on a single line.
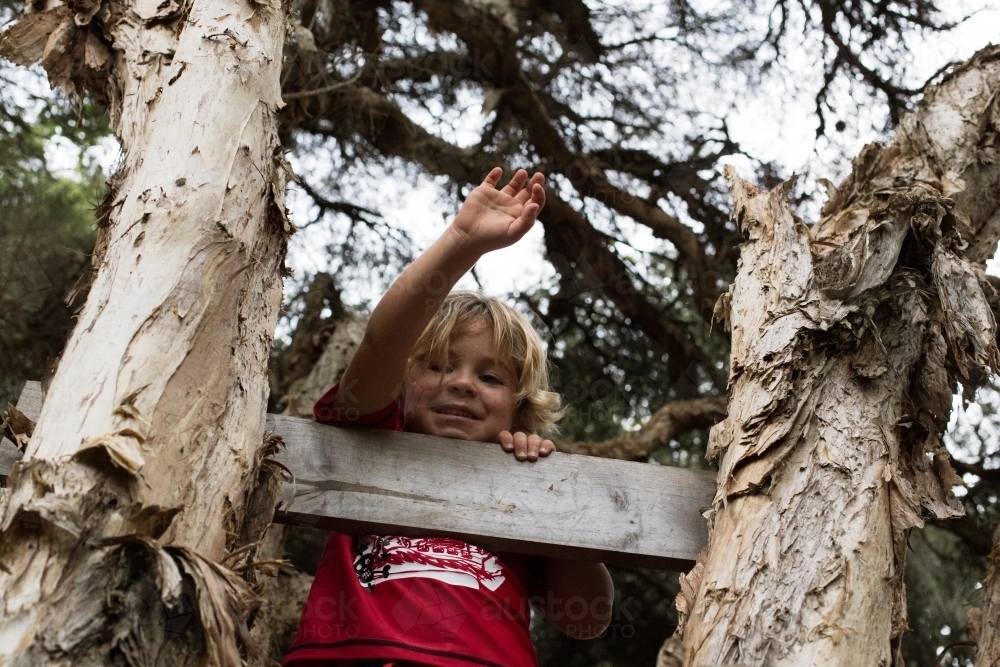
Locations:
{"points": [[668, 423], [481, 30]]}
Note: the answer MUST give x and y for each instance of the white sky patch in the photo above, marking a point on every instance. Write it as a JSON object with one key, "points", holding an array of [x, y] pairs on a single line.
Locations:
{"points": [[62, 156]]}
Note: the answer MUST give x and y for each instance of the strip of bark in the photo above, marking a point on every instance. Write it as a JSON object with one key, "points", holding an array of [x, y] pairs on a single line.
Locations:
{"points": [[985, 619], [16, 427], [847, 339]]}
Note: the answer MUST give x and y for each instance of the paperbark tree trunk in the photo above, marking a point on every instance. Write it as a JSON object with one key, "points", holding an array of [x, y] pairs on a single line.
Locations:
{"points": [[848, 338], [138, 487]]}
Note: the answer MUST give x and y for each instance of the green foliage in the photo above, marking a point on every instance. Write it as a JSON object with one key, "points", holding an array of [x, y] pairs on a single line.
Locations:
{"points": [[46, 229], [942, 580]]}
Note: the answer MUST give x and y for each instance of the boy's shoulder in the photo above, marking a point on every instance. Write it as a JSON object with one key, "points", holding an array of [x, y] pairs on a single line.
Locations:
{"points": [[326, 411]]}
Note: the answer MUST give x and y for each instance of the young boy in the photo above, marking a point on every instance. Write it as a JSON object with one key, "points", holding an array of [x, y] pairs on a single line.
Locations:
{"points": [[459, 366]]}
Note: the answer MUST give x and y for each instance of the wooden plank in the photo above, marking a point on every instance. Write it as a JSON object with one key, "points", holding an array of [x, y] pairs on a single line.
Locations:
{"points": [[383, 482], [30, 403], [564, 505]]}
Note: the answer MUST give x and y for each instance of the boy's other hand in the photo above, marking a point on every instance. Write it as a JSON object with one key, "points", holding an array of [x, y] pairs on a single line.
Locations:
{"points": [[525, 446], [491, 219]]}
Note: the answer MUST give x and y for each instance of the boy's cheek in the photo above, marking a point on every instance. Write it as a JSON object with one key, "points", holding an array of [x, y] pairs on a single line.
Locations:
{"points": [[420, 387], [413, 396]]}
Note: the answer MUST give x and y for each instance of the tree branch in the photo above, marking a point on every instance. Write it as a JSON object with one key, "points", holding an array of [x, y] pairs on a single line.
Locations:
{"points": [[353, 211], [668, 423], [896, 95], [484, 32], [568, 234]]}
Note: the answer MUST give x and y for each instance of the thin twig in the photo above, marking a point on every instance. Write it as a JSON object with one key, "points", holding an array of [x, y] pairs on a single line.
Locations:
{"points": [[243, 549], [321, 91], [940, 661], [257, 563]]}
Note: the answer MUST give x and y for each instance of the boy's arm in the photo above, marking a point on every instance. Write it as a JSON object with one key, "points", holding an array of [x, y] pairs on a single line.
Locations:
{"points": [[488, 220], [578, 597]]}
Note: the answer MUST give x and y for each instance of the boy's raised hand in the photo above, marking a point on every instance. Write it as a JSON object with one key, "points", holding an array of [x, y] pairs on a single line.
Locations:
{"points": [[491, 219], [525, 446]]}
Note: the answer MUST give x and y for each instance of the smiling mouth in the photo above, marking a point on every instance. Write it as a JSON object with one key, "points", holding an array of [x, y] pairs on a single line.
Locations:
{"points": [[455, 412]]}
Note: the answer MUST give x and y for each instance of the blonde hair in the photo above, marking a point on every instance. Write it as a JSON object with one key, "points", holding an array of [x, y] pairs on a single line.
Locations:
{"points": [[515, 344]]}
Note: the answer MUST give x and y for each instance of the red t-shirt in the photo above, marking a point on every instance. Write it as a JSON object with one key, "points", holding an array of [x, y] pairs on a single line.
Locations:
{"points": [[428, 600]]}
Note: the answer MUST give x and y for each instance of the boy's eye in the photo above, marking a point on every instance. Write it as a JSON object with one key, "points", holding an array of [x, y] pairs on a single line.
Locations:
{"points": [[489, 378]]}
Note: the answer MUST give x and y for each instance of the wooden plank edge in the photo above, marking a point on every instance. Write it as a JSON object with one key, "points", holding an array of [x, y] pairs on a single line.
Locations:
{"points": [[30, 403], [9, 455], [493, 544]]}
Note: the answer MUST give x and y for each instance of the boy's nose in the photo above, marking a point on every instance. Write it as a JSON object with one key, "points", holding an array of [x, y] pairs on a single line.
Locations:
{"points": [[461, 382]]}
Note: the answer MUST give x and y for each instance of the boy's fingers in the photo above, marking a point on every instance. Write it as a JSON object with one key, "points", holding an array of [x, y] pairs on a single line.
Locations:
{"points": [[524, 195], [534, 443], [506, 441], [522, 224], [529, 213], [493, 177], [531, 193], [516, 185], [526, 447], [538, 195], [520, 446]]}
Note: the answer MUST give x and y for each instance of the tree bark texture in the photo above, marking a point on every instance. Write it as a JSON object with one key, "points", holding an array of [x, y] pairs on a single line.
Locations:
{"points": [[985, 619], [848, 338], [142, 474], [348, 330]]}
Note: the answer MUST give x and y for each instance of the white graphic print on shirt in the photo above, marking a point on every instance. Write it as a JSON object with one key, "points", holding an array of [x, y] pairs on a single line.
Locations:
{"points": [[451, 561]]}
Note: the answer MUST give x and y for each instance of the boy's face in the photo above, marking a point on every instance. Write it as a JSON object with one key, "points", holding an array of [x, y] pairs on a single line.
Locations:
{"points": [[470, 399]]}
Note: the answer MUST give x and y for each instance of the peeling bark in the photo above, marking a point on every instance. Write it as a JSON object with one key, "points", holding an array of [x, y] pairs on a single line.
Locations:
{"points": [[847, 340], [16, 427], [137, 479]]}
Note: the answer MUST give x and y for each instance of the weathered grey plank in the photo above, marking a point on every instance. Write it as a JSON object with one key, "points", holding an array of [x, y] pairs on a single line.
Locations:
{"points": [[564, 505], [9, 455], [570, 506], [30, 403]]}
